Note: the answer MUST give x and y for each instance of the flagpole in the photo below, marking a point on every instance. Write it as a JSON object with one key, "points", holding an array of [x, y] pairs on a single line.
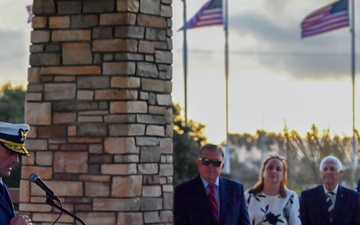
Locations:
{"points": [[185, 61], [226, 29], [354, 151]]}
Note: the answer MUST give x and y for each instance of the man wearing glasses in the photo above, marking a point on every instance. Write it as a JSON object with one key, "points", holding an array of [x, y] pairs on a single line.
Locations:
{"points": [[208, 198]]}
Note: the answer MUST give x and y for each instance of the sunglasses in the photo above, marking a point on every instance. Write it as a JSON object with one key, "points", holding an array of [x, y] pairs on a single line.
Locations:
{"points": [[206, 162]]}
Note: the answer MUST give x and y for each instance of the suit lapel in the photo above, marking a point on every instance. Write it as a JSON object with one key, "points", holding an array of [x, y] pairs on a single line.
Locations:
{"points": [[204, 202], [338, 201], [338, 210], [321, 205], [5, 201], [224, 198], [200, 190]]}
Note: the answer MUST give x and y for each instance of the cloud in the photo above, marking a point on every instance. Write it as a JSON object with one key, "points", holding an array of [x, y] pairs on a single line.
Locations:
{"points": [[15, 41], [13, 55], [14, 14], [276, 44], [267, 35]]}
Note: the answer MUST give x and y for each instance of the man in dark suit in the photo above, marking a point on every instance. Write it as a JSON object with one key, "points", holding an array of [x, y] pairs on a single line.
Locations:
{"points": [[330, 203], [208, 198], [12, 137]]}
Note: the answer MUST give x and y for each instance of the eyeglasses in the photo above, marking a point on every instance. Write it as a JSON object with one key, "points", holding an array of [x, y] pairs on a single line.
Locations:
{"points": [[206, 162], [277, 157]]}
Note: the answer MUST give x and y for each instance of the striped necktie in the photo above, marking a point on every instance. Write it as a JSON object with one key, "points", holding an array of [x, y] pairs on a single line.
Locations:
{"points": [[214, 204], [330, 203]]}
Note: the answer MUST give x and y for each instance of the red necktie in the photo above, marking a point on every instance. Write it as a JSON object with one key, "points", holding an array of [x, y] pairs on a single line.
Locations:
{"points": [[214, 203]]}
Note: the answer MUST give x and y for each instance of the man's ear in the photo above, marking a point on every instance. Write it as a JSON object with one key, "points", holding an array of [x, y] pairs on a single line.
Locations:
{"points": [[341, 173], [198, 162], [222, 166]]}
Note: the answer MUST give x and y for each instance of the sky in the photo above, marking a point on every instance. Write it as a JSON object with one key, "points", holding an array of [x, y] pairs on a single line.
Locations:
{"points": [[275, 77], [15, 39]]}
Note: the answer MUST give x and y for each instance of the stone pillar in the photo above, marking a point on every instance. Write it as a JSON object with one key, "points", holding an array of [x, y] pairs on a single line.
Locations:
{"points": [[99, 106]]}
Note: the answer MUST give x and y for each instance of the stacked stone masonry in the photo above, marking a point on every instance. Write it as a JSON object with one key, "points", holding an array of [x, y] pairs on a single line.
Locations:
{"points": [[99, 105]]}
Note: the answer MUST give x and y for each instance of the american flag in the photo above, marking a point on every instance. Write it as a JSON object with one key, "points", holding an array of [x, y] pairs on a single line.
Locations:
{"points": [[209, 14], [30, 12], [327, 18]]}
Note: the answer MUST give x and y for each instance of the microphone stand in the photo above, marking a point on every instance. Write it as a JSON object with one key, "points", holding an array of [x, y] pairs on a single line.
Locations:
{"points": [[51, 202]]}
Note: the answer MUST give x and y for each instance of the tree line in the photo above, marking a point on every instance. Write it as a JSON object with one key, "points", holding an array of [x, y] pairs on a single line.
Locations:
{"points": [[303, 153]]}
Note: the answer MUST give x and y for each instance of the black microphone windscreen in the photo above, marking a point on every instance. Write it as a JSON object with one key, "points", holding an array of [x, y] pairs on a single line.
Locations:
{"points": [[33, 177]]}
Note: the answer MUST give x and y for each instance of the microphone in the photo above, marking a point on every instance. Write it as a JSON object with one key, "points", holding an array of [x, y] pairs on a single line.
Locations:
{"points": [[34, 177]]}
